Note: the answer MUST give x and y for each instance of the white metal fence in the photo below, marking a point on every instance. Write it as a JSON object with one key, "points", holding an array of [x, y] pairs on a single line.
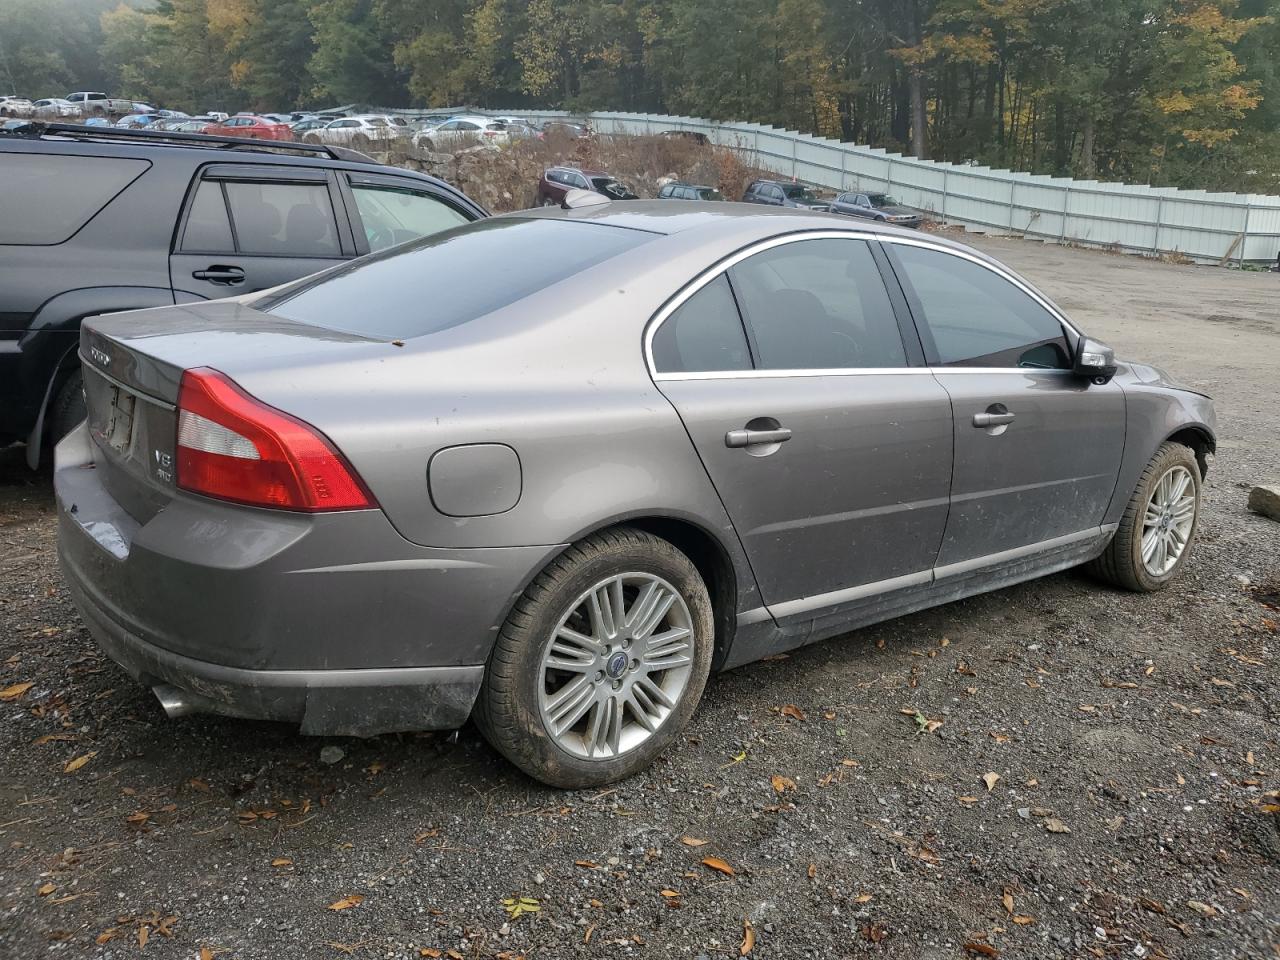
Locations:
{"points": [[1206, 227]]}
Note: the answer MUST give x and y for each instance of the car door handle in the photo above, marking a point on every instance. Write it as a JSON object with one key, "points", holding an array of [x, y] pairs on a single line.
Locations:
{"points": [[219, 274], [751, 438], [992, 419]]}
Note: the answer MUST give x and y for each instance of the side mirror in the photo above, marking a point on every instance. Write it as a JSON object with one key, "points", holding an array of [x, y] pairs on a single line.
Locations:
{"points": [[1095, 361]]}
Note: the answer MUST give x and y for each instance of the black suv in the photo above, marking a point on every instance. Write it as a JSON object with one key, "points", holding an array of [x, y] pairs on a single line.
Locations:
{"points": [[782, 193], [96, 220]]}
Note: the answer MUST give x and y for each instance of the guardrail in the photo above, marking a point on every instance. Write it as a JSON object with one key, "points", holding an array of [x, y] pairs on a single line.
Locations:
{"points": [[1135, 218]]}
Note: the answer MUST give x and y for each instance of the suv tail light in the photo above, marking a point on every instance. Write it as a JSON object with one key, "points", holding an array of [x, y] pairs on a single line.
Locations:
{"points": [[232, 446]]}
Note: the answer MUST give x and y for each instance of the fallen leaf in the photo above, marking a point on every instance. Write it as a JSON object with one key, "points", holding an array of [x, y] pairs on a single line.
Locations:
{"points": [[518, 906], [981, 949], [848, 763], [782, 784], [15, 691], [715, 863], [669, 894], [967, 799], [1087, 708], [206, 953], [1218, 682], [142, 816], [282, 862], [195, 783], [791, 710], [144, 934], [1007, 900], [748, 938], [431, 952], [53, 737], [47, 889], [74, 765], [874, 932], [990, 779], [862, 898], [1202, 908], [1022, 920], [693, 842], [998, 737], [347, 902], [586, 864], [105, 936], [1054, 825], [813, 870]]}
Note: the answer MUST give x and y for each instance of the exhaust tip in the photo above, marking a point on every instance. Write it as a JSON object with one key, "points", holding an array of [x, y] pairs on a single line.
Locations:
{"points": [[175, 702]]}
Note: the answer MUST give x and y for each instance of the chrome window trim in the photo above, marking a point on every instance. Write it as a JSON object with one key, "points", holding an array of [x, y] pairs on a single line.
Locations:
{"points": [[723, 266]]}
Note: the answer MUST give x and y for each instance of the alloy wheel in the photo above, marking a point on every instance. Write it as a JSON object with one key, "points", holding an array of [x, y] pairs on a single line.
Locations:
{"points": [[616, 666], [1168, 521]]}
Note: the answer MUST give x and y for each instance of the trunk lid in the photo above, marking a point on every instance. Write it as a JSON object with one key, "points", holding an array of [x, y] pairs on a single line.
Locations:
{"points": [[133, 364]]}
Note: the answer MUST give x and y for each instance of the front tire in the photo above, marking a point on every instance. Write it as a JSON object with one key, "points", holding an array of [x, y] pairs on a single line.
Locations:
{"points": [[1159, 525], [601, 663]]}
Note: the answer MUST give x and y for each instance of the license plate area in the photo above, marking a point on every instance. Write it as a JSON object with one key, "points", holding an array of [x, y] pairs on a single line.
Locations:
{"points": [[121, 415]]}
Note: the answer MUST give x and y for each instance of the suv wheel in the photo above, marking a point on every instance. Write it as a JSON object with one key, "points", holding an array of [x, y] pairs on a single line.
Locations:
{"points": [[601, 663], [67, 408], [1159, 524]]}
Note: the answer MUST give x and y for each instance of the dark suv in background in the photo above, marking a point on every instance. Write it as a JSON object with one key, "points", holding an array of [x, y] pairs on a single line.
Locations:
{"points": [[98, 220], [783, 193]]}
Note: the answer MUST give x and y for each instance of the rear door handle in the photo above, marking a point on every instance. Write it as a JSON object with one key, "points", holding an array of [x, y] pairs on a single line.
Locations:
{"points": [[751, 438], [220, 274], [992, 419]]}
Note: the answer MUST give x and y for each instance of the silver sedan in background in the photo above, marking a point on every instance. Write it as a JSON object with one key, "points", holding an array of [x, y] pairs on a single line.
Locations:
{"points": [[660, 439]]}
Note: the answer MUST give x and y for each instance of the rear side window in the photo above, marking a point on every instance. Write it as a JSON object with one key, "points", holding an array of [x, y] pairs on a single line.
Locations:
{"points": [[208, 227], [283, 219], [980, 319], [470, 271], [703, 335], [47, 198], [818, 304]]}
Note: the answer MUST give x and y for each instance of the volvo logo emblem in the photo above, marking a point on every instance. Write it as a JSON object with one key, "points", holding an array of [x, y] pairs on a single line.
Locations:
{"points": [[100, 357], [616, 666]]}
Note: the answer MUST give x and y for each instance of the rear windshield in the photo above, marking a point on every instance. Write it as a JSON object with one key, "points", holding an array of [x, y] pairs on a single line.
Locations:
{"points": [[798, 193], [47, 198], [449, 278]]}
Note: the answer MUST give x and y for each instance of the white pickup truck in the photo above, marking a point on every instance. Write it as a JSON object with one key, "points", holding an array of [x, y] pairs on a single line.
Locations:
{"points": [[94, 104]]}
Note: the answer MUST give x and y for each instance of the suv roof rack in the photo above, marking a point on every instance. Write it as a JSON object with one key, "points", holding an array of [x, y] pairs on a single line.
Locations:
{"points": [[176, 138]]}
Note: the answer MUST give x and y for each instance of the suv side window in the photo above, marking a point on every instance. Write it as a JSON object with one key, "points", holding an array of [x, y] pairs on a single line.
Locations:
{"points": [[775, 192], [391, 216], [818, 304], [208, 227], [703, 335], [980, 319], [283, 219]]}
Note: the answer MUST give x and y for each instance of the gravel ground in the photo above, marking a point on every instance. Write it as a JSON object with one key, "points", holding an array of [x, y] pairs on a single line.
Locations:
{"points": [[1098, 778]]}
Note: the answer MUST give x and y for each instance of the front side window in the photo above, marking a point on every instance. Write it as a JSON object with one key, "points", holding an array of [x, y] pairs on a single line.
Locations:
{"points": [[283, 219], [703, 335], [980, 319], [818, 304], [391, 216]]}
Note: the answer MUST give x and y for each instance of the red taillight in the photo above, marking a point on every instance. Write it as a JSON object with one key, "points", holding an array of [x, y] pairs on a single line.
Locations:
{"points": [[234, 447]]}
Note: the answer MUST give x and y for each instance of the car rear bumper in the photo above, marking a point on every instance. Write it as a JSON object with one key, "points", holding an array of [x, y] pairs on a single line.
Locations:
{"points": [[334, 622]]}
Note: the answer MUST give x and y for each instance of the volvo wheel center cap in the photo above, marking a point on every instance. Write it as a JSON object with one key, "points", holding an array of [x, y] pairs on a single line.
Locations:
{"points": [[616, 666]]}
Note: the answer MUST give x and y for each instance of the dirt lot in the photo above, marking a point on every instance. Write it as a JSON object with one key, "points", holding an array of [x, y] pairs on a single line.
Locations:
{"points": [[1135, 739]]}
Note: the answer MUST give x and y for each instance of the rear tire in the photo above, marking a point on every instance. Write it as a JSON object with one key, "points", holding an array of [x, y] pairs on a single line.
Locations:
{"points": [[526, 703], [67, 408], [1167, 491]]}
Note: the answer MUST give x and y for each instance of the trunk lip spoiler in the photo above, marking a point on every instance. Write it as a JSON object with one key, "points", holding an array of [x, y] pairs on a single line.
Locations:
{"points": [[135, 391]]}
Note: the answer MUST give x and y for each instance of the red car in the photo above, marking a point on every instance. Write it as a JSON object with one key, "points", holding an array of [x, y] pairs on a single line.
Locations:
{"points": [[556, 182], [247, 125]]}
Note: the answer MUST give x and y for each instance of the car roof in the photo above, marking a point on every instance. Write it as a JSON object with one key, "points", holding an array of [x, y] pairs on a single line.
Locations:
{"points": [[197, 149], [585, 173], [747, 221]]}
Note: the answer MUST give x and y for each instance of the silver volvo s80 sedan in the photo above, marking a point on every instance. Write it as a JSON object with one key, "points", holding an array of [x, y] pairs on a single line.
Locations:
{"points": [[612, 449]]}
